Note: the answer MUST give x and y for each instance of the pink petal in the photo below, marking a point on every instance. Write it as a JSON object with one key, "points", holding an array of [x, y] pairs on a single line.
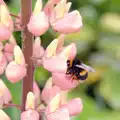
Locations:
{"points": [[71, 23], [48, 8], [63, 81], [55, 64], [30, 115], [9, 48], [38, 24], [53, 17], [38, 52], [18, 23], [8, 51], [6, 97], [73, 52], [1, 46], [60, 43], [5, 33], [36, 92], [15, 72], [49, 93], [63, 97], [55, 1], [9, 56], [3, 64], [74, 106], [60, 114], [1, 1]]}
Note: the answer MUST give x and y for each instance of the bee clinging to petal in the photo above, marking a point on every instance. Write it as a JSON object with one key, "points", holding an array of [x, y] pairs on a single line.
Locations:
{"points": [[78, 70]]}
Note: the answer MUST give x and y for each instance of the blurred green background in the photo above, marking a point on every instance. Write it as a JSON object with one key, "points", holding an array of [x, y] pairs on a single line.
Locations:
{"points": [[98, 45]]}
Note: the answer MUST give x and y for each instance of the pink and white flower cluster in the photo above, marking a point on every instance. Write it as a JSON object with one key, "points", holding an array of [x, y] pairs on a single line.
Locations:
{"points": [[51, 103]]}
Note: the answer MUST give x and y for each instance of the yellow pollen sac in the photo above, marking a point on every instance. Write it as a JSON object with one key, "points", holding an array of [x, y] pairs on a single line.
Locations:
{"points": [[71, 62], [83, 72]]}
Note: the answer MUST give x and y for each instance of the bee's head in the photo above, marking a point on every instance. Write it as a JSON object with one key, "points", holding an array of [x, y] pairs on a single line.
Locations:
{"points": [[76, 62]]}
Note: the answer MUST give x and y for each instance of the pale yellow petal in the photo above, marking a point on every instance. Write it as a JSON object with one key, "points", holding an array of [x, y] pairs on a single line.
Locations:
{"points": [[54, 104], [12, 40], [3, 115], [38, 7], [4, 15], [60, 9], [18, 55], [38, 40], [51, 49], [30, 101], [48, 83], [66, 52], [67, 8]]}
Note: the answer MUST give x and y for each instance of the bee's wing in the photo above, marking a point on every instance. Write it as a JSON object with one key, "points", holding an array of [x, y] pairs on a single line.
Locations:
{"points": [[86, 67]]}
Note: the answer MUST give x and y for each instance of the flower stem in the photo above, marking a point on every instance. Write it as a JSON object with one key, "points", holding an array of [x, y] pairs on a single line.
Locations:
{"points": [[27, 45]]}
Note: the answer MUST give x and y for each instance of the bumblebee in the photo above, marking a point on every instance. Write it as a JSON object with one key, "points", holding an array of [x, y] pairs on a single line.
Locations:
{"points": [[78, 70]]}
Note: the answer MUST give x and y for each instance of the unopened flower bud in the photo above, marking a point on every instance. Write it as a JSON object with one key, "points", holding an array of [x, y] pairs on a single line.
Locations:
{"points": [[38, 24]]}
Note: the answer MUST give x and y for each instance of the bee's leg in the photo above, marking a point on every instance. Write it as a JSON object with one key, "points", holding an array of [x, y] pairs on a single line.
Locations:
{"points": [[69, 71], [73, 78]]}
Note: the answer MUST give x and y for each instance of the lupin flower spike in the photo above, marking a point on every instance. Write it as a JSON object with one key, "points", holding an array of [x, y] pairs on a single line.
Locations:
{"points": [[51, 103]]}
